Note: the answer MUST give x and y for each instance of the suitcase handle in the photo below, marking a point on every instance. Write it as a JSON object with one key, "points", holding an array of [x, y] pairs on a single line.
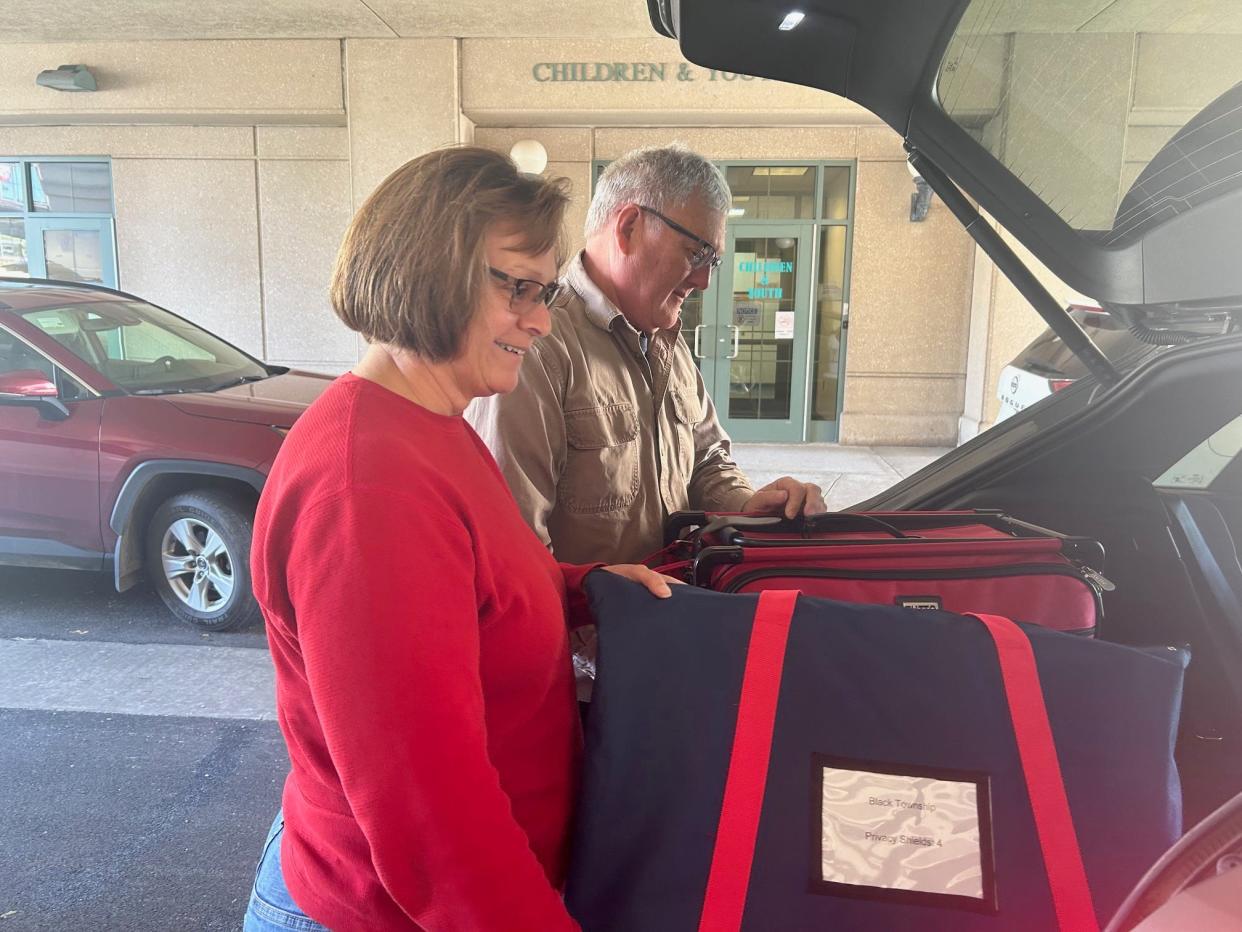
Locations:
{"points": [[704, 522], [732, 527], [1083, 551]]}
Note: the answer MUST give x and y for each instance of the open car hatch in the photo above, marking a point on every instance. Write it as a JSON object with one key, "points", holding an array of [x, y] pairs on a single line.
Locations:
{"points": [[1104, 135]]}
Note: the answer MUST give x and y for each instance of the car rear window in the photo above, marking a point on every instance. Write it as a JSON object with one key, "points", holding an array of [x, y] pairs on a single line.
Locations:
{"points": [[1199, 468], [1077, 98]]}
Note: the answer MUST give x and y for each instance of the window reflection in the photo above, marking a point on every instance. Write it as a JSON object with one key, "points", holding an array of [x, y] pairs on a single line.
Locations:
{"points": [[836, 192], [829, 309], [71, 187], [764, 305], [772, 192], [13, 247], [73, 256], [12, 191]]}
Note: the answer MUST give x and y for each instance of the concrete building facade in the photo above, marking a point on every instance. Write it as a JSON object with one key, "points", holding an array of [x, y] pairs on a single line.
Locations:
{"points": [[234, 165]]}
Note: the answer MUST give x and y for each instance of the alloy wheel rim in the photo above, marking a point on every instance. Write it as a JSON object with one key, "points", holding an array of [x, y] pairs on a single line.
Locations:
{"points": [[197, 565]]}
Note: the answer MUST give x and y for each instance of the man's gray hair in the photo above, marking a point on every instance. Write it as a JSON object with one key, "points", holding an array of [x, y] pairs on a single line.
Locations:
{"points": [[661, 177]]}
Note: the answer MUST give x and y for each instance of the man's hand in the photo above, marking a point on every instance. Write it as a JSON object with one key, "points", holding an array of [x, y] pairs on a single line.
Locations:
{"points": [[656, 584], [787, 496]]}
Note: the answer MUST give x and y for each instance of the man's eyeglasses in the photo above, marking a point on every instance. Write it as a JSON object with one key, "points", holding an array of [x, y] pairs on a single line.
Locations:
{"points": [[525, 293], [705, 255]]}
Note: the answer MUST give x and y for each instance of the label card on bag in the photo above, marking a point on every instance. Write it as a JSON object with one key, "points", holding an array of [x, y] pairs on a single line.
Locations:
{"points": [[892, 832]]}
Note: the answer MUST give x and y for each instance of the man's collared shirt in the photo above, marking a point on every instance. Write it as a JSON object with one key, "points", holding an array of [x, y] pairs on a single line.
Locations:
{"points": [[605, 436]]}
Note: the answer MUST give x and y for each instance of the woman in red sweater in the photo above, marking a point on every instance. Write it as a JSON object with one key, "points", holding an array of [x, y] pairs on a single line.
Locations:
{"points": [[418, 627]]}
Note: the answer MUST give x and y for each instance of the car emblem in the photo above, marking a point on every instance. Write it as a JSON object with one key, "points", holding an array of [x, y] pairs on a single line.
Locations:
{"points": [[1013, 386]]}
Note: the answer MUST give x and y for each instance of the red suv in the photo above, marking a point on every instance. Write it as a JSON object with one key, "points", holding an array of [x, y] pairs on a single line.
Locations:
{"points": [[132, 439]]}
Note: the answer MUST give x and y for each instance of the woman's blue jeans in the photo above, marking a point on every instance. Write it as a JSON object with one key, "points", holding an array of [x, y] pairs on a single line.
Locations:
{"points": [[271, 907]]}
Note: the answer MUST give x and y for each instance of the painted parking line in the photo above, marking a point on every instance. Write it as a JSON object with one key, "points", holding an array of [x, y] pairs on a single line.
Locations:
{"points": [[136, 679]]}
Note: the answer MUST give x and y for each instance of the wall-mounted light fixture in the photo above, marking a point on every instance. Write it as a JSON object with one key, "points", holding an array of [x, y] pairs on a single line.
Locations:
{"points": [[67, 78], [529, 156], [920, 200]]}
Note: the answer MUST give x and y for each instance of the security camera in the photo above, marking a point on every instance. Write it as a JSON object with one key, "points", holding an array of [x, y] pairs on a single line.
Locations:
{"points": [[67, 78]]}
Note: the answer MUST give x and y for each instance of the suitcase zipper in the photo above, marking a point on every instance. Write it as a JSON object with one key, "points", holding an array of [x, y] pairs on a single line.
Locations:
{"points": [[1083, 574]]}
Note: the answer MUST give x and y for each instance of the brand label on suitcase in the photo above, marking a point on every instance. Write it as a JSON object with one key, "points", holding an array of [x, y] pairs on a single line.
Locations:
{"points": [[905, 834], [925, 602]]}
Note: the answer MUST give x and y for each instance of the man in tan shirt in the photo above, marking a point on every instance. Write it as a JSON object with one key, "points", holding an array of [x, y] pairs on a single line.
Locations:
{"points": [[611, 428]]}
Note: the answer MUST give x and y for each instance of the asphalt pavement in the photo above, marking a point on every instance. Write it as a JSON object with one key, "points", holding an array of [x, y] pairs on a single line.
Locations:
{"points": [[140, 765]]}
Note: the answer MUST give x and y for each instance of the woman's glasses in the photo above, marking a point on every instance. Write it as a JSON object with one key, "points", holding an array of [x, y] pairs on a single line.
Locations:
{"points": [[526, 293]]}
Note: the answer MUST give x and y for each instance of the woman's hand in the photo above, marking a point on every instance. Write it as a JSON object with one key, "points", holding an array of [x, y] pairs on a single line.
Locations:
{"points": [[656, 584]]}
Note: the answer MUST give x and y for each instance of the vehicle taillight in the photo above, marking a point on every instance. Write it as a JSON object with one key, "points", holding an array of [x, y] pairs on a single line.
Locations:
{"points": [[1058, 384]]}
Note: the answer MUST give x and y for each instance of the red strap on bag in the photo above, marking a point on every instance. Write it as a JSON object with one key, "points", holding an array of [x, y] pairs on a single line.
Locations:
{"points": [[729, 878], [1067, 878]]}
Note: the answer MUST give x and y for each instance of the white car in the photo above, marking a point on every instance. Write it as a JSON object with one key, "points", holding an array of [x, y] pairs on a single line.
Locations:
{"points": [[1047, 365]]}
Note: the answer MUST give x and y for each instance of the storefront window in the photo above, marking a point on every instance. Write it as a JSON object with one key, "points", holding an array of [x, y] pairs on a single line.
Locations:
{"points": [[71, 187], [56, 219], [836, 192], [829, 311], [12, 191], [772, 192], [73, 255], [13, 247]]}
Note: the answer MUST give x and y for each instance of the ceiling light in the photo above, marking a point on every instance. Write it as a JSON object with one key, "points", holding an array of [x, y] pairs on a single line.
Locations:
{"points": [[791, 20], [779, 171]]}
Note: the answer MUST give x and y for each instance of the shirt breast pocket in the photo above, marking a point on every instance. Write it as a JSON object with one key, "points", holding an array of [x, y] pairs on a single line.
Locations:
{"points": [[601, 459], [687, 415]]}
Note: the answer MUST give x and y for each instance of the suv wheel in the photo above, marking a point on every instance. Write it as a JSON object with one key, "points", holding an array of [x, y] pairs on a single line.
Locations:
{"points": [[198, 558]]}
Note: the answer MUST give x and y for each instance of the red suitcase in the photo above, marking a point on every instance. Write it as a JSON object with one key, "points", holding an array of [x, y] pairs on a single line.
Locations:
{"points": [[965, 561]]}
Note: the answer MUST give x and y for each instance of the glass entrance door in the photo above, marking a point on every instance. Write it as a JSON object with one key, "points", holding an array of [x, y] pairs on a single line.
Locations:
{"points": [[71, 250], [750, 332]]}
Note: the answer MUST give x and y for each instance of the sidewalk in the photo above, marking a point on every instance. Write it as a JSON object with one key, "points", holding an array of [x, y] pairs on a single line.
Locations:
{"points": [[847, 475]]}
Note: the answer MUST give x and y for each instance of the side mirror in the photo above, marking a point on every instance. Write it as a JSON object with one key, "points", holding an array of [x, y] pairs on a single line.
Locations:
{"points": [[32, 387]]}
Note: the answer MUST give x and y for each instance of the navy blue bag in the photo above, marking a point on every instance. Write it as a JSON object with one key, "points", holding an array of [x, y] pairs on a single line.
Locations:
{"points": [[894, 793]]}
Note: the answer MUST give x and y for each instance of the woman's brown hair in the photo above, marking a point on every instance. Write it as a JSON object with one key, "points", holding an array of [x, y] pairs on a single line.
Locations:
{"points": [[411, 266]]}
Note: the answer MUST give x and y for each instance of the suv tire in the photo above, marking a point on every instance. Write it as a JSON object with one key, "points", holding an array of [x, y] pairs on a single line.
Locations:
{"points": [[198, 559]]}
